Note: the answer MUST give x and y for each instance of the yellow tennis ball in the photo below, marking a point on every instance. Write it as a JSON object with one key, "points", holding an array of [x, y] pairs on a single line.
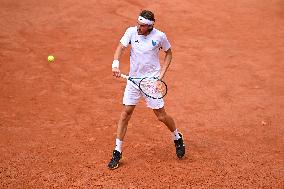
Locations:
{"points": [[50, 58]]}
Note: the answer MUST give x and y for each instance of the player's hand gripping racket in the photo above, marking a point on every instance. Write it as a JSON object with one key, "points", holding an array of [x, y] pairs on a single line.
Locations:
{"points": [[152, 87]]}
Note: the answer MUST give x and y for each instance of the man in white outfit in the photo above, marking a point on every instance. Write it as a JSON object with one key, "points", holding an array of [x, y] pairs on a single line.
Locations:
{"points": [[146, 42]]}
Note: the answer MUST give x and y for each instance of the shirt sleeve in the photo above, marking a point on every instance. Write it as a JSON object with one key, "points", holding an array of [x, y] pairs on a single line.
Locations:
{"points": [[165, 44], [126, 38]]}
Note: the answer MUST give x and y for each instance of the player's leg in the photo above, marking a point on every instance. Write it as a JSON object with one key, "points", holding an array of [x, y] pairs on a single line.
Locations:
{"points": [[177, 136], [157, 105], [130, 99], [165, 118], [121, 131], [123, 121]]}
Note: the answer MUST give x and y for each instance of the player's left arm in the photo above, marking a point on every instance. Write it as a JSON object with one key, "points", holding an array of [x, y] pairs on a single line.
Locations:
{"points": [[167, 62]]}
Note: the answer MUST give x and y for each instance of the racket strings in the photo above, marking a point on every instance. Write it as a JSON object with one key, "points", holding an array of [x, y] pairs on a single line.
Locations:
{"points": [[153, 88]]}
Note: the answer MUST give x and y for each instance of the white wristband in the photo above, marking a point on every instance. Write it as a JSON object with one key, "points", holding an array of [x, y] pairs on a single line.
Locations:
{"points": [[115, 64]]}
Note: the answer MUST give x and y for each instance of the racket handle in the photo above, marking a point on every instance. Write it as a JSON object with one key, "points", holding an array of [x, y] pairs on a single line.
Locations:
{"points": [[124, 76]]}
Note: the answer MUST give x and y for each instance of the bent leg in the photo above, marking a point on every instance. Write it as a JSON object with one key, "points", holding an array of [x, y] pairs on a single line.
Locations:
{"points": [[165, 118], [169, 122]]}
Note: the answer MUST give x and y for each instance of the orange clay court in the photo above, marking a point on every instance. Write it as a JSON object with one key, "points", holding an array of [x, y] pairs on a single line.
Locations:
{"points": [[226, 93]]}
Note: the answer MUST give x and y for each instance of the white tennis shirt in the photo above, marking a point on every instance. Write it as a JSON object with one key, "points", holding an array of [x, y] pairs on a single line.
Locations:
{"points": [[144, 52]]}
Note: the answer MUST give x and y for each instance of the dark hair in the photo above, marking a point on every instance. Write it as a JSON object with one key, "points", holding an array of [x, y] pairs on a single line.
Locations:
{"points": [[148, 15]]}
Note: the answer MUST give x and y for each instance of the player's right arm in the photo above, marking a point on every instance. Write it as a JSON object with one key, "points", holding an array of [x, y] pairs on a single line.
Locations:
{"points": [[116, 57], [124, 42]]}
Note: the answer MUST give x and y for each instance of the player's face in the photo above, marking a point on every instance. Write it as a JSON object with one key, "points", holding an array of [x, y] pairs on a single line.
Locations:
{"points": [[142, 29]]}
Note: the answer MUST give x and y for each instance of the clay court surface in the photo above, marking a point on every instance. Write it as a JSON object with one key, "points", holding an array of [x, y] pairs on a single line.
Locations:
{"points": [[226, 94]]}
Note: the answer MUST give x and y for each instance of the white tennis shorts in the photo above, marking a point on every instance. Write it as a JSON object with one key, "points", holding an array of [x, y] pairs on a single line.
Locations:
{"points": [[132, 95]]}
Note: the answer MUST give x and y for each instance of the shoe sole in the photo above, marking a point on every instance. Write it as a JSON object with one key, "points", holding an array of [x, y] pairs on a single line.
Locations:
{"points": [[112, 168], [180, 157]]}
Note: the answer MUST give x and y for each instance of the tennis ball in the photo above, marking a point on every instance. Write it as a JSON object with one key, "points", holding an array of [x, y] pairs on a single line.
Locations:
{"points": [[50, 58]]}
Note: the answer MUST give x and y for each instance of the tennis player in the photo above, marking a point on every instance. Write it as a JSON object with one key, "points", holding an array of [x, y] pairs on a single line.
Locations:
{"points": [[145, 41]]}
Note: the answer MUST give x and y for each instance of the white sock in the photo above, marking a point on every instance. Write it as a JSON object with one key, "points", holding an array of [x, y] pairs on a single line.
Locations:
{"points": [[176, 135], [118, 145]]}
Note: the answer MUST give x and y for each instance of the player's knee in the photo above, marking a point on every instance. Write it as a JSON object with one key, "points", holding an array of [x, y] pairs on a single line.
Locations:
{"points": [[126, 114], [162, 117]]}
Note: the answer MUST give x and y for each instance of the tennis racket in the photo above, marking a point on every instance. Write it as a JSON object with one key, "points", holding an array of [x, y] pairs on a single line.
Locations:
{"points": [[152, 87]]}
